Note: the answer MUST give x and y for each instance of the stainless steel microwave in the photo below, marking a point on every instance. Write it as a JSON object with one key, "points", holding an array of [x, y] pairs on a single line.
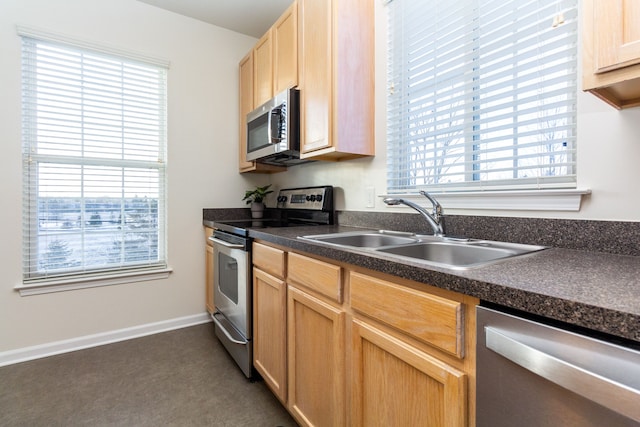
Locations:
{"points": [[273, 130]]}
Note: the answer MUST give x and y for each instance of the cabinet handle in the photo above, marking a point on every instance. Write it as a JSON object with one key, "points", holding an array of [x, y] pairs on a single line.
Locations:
{"points": [[609, 393]]}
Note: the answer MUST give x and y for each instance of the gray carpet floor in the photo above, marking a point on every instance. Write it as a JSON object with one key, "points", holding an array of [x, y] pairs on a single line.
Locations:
{"points": [[178, 378]]}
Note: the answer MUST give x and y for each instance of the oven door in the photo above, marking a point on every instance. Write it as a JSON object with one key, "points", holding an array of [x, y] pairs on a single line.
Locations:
{"points": [[232, 290]]}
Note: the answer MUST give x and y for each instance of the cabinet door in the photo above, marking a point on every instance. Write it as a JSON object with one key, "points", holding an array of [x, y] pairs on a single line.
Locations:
{"points": [[246, 106], [617, 34], [263, 70], [611, 51], [316, 360], [269, 331], [285, 50], [394, 383], [315, 56], [209, 279]]}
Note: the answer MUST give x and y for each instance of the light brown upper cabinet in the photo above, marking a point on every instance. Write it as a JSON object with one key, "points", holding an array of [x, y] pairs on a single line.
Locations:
{"points": [[285, 50], [263, 70], [246, 105], [336, 78], [269, 68], [246, 84], [611, 51], [276, 58]]}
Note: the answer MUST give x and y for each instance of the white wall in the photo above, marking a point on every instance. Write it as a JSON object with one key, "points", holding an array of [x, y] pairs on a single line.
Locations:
{"points": [[203, 167], [202, 162], [608, 158]]}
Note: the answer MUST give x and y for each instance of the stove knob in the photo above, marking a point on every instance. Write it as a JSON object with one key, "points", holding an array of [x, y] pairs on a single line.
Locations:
{"points": [[282, 199], [308, 198], [319, 197]]}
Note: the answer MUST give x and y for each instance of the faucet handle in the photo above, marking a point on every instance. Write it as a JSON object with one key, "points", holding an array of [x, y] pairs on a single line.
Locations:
{"points": [[437, 208]]}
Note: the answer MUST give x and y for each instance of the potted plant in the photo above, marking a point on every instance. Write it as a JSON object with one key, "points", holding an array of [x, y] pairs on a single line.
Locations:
{"points": [[255, 198]]}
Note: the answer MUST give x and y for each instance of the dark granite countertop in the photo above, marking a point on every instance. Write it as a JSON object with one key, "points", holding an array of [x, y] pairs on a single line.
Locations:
{"points": [[595, 290]]}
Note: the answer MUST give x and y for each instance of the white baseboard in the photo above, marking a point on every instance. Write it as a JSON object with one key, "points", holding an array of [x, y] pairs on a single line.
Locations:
{"points": [[65, 346]]}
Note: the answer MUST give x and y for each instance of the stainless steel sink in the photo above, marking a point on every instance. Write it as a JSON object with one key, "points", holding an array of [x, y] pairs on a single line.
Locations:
{"points": [[460, 255], [441, 251], [366, 239]]}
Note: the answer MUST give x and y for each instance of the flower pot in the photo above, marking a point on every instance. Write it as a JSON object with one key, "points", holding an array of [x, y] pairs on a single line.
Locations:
{"points": [[257, 210]]}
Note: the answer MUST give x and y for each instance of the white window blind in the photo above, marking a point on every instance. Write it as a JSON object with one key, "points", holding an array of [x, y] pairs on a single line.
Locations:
{"points": [[482, 95], [94, 143]]}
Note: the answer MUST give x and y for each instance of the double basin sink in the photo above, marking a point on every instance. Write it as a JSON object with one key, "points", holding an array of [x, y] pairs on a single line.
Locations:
{"points": [[443, 251]]}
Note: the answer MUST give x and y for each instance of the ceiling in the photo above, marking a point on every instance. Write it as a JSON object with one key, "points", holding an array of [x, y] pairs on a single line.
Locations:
{"points": [[250, 17]]}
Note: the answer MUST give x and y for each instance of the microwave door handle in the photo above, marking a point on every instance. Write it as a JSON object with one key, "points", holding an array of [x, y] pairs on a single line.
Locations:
{"points": [[269, 133], [278, 138]]}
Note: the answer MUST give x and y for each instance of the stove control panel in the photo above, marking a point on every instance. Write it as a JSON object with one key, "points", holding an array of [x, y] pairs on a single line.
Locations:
{"points": [[310, 198]]}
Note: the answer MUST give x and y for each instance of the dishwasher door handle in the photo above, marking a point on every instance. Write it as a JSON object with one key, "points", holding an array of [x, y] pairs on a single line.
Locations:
{"points": [[607, 392]]}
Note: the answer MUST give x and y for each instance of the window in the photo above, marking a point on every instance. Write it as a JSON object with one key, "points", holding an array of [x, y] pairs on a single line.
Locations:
{"points": [[94, 137], [481, 95]]}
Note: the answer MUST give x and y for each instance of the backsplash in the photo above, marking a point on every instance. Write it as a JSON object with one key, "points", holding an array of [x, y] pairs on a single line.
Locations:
{"points": [[616, 237]]}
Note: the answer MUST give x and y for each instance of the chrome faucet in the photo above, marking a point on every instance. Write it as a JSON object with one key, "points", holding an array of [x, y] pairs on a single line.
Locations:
{"points": [[434, 219]]}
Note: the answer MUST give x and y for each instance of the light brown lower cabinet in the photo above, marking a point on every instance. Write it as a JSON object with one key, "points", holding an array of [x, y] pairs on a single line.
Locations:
{"points": [[208, 232], [396, 384], [316, 360], [269, 331], [362, 348]]}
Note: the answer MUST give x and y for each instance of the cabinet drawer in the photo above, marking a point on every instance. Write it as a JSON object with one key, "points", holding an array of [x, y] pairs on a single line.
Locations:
{"points": [[268, 259], [429, 318], [319, 276]]}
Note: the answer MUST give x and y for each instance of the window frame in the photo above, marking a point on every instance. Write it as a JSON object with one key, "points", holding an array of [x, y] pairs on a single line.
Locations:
{"points": [[533, 196], [62, 280]]}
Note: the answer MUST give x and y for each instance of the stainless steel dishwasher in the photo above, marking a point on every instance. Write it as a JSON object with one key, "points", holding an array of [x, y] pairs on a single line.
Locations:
{"points": [[532, 374]]}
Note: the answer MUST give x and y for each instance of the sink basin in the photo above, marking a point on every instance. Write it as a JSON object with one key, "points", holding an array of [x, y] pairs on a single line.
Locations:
{"points": [[369, 239], [461, 255], [446, 252]]}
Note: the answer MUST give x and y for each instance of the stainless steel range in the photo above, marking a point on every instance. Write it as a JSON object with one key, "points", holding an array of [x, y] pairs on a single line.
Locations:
{"points": [[232, 264]]}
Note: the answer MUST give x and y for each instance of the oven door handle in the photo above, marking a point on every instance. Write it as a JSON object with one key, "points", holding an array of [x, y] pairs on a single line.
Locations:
{"points": [[226, 244], [224, 330]]}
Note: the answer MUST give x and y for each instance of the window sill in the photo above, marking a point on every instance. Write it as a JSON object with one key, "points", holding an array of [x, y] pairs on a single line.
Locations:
{"points": [[69, 284], [568, 200]]}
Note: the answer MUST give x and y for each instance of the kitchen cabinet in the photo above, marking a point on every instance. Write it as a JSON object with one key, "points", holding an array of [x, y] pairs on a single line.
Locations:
{"points": [[285, 50], [268, 69], [246, 84], [416, 388], [408, 351], [263, 70], [356, 338], [611, 51], [276, 58], [336, 78], [316, 345], [270, 318], [208, 232]]}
